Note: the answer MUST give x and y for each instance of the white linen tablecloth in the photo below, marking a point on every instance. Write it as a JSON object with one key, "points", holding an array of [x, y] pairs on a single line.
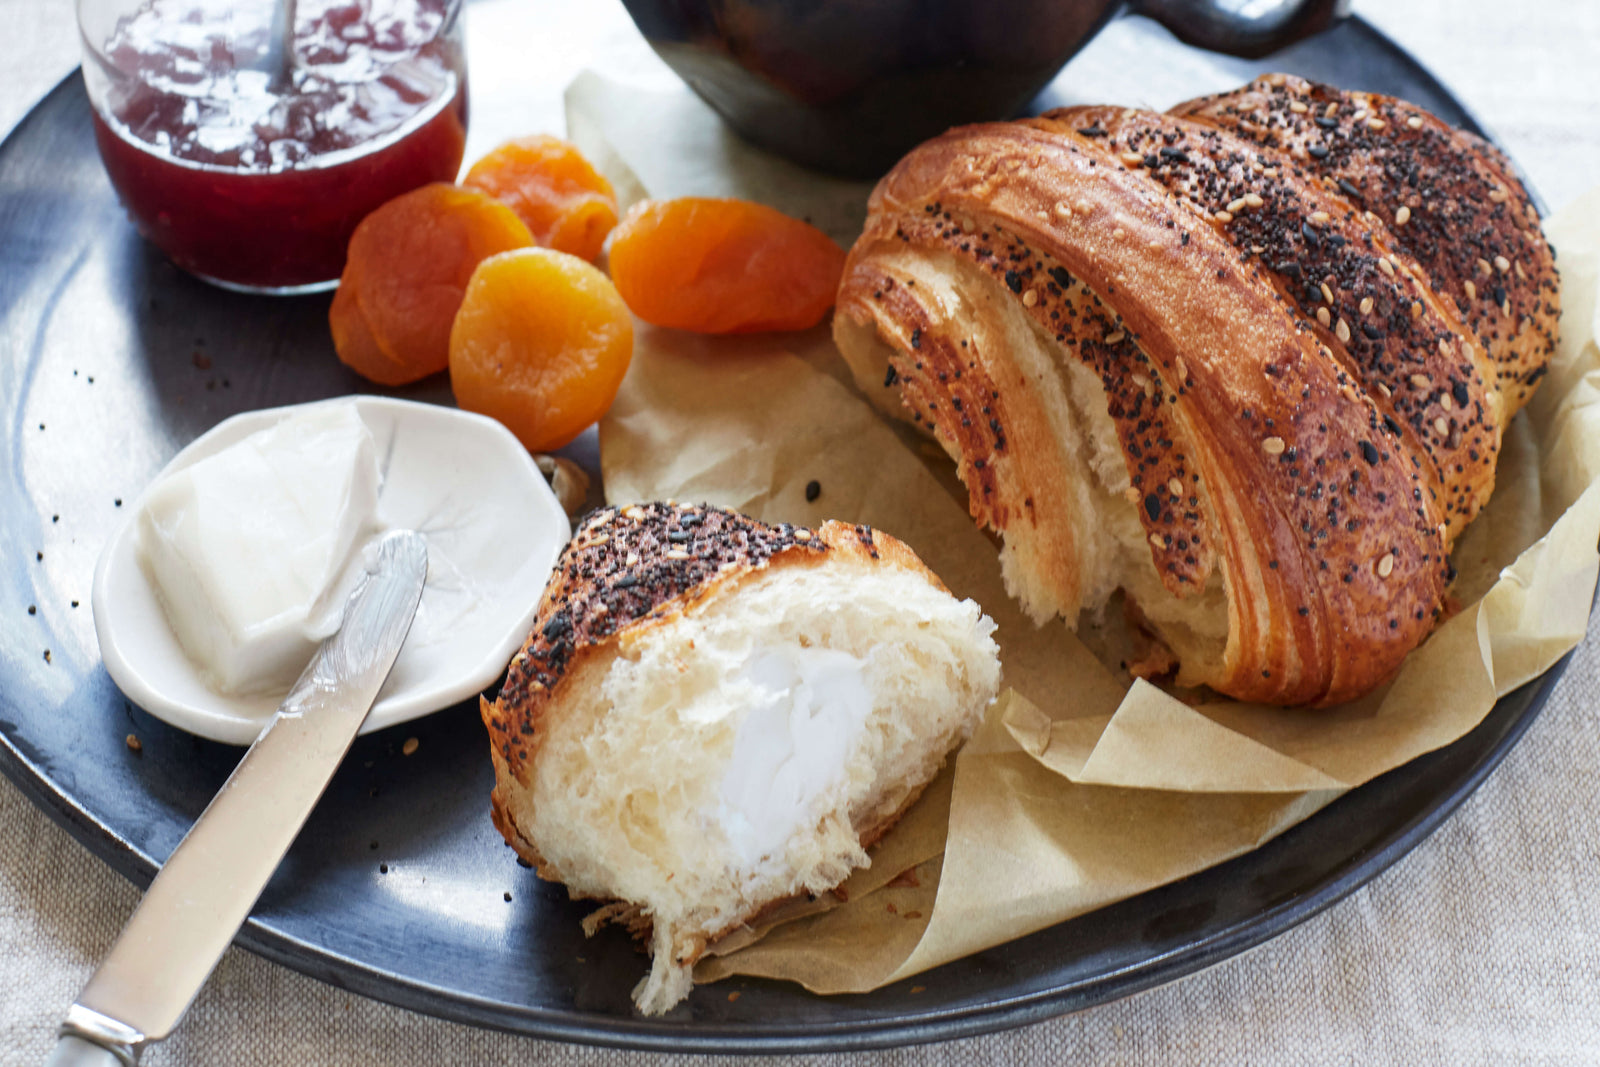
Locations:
{"points": [[1481, 946]]}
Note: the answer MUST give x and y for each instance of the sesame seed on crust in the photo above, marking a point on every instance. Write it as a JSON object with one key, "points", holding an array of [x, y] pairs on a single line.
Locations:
{"points": [[1475, 207], [620, 568], [958, 391], [1341, 489], [1310, 235]]}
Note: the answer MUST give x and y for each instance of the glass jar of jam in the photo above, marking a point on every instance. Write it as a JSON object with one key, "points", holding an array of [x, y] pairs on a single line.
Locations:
{"points": [[249, 164]]}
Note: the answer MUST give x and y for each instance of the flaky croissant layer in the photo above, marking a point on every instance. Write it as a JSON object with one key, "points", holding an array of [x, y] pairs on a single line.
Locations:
{"points": [[1248, 361]]}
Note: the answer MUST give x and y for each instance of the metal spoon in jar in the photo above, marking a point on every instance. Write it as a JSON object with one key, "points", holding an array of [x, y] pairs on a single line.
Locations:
{"points": [[279, 56]]}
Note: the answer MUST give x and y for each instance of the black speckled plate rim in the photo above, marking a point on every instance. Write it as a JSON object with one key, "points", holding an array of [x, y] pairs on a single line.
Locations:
{"points": [[1502, 729]]}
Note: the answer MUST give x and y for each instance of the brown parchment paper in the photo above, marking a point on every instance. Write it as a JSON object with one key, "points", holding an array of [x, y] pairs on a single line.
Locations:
{"points": [[1079, 789]]}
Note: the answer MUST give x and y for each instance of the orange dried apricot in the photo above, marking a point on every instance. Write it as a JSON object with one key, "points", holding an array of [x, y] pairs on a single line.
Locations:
{"points": [[408, 265], [357, 348], [541, 343], [565, 203], [723, 266]]}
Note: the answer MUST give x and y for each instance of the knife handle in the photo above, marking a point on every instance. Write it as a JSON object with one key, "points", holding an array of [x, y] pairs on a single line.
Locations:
{"points": [[76, 1052]]}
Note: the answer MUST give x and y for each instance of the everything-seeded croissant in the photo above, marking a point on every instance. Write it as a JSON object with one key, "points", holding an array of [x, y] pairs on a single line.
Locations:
{"points": [[1248, 361], [712, 715]]}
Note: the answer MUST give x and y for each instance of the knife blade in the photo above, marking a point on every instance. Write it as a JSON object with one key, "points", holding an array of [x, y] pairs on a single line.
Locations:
{"points": [[208, 886]]}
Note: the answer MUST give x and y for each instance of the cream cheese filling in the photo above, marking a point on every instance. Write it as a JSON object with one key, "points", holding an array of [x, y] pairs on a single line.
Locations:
{"points": [[792, 746]]}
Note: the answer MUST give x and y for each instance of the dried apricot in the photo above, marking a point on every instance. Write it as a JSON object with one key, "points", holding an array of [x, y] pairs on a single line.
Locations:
{"points": [[565, 203], [541, 343], [408, 266], [357, 348], [723, 266]]}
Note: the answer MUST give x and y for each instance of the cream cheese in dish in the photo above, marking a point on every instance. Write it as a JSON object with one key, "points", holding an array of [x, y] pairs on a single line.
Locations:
{"points": [[493, 529], [248, 548]]}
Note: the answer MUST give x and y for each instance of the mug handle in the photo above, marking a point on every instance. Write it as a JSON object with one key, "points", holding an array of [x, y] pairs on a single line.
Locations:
{"points": [[1206, 24]]}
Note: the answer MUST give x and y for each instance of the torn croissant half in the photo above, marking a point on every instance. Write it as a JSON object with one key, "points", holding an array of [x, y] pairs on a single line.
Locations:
{"points": [[1248, 361], [713, 715]]}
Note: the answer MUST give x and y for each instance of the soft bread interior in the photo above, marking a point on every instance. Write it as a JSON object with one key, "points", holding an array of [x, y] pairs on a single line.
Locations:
{"points": [[867, 353], [737, 754], [1108, 540]]}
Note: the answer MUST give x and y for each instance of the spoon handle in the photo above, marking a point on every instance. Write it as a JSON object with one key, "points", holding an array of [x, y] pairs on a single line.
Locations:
{"points": [[280, 46]]}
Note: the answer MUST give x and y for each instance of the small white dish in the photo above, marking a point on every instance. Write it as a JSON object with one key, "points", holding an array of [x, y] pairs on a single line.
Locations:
{"points": [[493, 529]]}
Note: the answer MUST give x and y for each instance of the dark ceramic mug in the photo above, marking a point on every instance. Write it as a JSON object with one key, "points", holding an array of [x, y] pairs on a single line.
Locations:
{"points": [[849, 86]]}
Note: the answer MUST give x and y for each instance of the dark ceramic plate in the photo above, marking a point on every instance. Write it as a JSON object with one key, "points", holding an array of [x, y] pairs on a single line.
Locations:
{"points": [[112, 360]]}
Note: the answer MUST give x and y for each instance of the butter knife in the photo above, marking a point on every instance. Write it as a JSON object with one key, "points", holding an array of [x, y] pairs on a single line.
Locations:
{"points": [[208, 886]]}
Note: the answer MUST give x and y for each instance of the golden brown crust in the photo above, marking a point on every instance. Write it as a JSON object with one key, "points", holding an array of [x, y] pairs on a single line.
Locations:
{"points": [[1349, 281], [961, 379], [1325, 493], [967, 386], [621, 568], [1467, 219], [630, 568], [624, 570]]}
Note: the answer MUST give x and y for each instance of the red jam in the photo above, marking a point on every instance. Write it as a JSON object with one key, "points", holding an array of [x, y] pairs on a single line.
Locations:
{"points": [[256, 184]]}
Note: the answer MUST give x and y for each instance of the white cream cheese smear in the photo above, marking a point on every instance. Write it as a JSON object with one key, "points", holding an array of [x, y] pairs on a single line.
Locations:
{"points": [[793, 745], [247, 549]]}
